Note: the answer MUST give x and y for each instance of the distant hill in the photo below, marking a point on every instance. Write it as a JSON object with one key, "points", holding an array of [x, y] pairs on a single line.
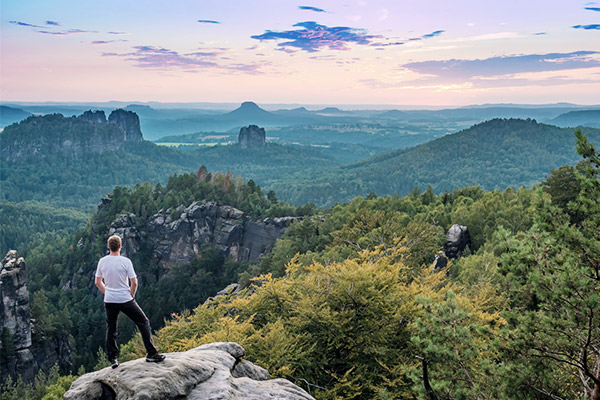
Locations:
{"points": [[494, 154], [10, 115], [589, 118], [75, 161], [142, 110], [248, 110]]}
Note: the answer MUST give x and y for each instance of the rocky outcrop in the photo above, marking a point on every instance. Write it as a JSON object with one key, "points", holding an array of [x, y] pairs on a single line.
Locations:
{"points": [[22, 351], [214, 371], [14, 305], [252, 137], [91, 132], [97, 116], [440, 261], [124, 227], [457, 240], [178, 239], [129, 124]]}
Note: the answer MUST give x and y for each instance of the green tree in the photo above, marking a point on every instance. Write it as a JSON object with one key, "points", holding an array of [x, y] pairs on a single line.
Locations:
{"points": [[553, 274]]}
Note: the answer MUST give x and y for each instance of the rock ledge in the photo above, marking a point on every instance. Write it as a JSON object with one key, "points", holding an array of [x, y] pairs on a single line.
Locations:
{"points": [[213, 371]]}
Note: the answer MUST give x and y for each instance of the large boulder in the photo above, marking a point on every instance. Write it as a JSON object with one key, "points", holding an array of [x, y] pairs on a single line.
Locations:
{"points": [[457, 240], [214, 371]]}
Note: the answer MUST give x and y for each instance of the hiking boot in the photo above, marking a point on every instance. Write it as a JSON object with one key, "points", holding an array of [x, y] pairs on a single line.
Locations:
{"points": [[155, 358], [114, 363]]}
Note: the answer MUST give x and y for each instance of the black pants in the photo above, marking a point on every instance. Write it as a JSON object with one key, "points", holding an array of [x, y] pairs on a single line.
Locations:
{"points": [[135, 313]]}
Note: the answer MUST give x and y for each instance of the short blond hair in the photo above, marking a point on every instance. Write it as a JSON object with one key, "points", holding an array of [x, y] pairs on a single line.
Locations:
{"points": [[114, 243]]}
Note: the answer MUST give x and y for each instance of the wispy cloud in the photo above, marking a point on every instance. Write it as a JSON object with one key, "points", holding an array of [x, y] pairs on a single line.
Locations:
{"points": [[309, 8], [152, 57], [116, 33], [65, 33], [208, 21], [484, 37], [381, 45], [314, 37], [460, 70], [588, 27], [157, 57], [97, 42], [433, 34], [50, 25], [20, 23]]}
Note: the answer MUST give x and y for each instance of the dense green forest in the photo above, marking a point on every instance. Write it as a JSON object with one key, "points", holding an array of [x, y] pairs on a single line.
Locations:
{"points": [[358, 313], [494, 154], [79, 182], [29, 224], [60, 271], [346, 305]]}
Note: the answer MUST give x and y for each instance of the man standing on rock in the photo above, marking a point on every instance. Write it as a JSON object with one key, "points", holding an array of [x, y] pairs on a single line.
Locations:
{"points": [[111, 278]]}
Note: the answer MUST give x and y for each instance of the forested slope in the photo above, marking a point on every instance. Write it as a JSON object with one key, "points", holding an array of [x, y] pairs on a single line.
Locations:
{"points": [[494, 154], [359, 315]]}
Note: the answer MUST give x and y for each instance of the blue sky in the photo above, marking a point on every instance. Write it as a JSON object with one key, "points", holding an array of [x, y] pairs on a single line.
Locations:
{"points": [[280, 51]]}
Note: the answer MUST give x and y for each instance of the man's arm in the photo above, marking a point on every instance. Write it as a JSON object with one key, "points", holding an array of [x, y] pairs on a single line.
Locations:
{"points": [[133, 286], [100, 284]]}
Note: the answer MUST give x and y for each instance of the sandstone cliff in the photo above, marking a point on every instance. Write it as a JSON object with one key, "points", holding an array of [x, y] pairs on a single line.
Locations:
{"points": [[179, 240], [22, 351], [91, 132], [214, 371]]}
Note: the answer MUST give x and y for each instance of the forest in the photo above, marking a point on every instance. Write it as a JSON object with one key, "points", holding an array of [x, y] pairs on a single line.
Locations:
{"points": [[347, 304]]}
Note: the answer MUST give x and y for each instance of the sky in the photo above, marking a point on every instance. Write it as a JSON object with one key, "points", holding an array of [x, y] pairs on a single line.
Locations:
{"points": [[388, 52]]}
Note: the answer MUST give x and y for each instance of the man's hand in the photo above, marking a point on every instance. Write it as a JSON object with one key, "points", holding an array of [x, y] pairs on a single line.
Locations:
{"points": [[100, 284], [133, 286]]}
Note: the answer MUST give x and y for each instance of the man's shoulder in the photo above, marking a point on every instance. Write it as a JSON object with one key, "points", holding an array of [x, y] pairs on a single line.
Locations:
{"points": [[117, 259]]}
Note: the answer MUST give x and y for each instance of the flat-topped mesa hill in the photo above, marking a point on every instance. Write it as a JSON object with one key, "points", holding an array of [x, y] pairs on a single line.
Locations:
{"points": [[91, 132]]}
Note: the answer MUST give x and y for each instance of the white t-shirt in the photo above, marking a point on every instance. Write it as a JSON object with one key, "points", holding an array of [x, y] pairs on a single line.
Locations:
{"points": [[115, 270]]}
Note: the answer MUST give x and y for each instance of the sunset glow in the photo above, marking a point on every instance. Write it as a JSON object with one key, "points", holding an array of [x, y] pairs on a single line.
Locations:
{"points": [[278, 51]]}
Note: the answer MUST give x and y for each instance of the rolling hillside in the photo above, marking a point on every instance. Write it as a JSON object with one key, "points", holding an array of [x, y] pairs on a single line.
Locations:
{"points": [[494, 154]]}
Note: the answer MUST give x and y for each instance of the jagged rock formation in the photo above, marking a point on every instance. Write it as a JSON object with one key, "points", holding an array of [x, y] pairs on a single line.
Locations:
{"points": [[252, 137], [214, 371], [129, 123], [23, 352], [91, 132], [97, 116], [179, 240], [14, 305], [457, 240]]}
